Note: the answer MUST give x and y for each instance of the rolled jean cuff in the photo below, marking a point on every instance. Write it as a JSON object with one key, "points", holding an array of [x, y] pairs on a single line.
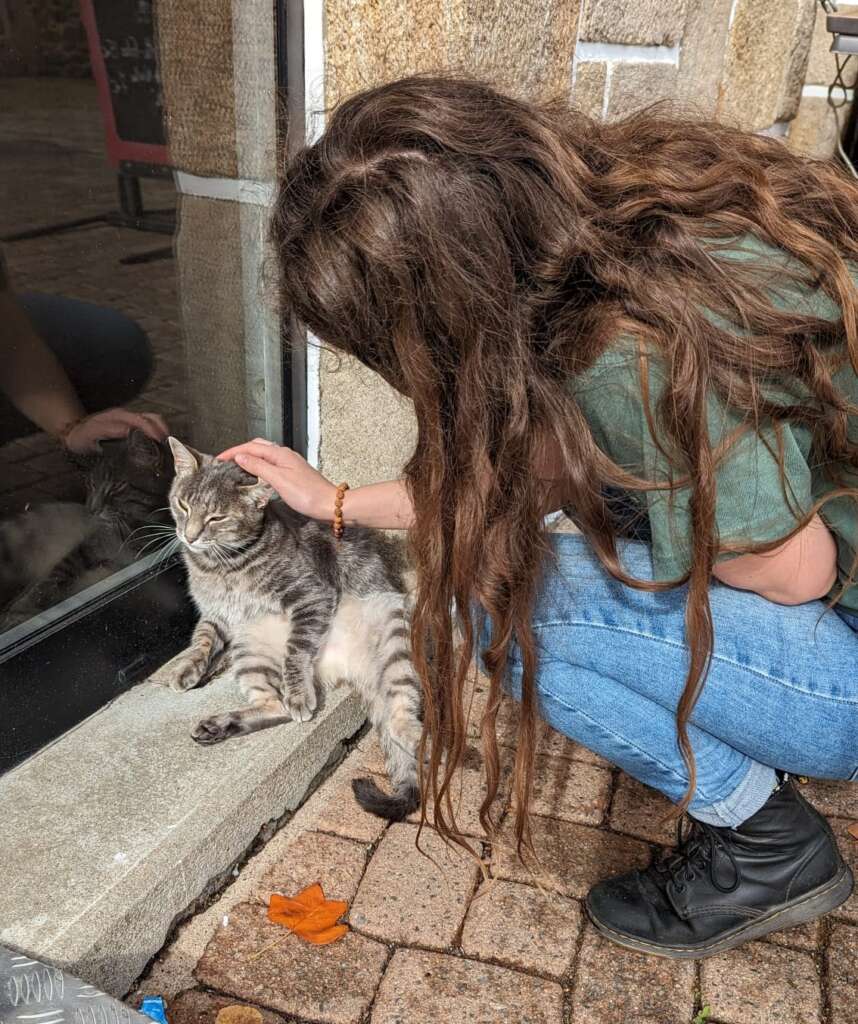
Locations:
{"points": [[745, 800]]}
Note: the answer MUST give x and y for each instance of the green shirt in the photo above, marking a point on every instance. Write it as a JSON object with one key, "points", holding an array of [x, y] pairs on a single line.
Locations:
{"points": [[750, 501]]}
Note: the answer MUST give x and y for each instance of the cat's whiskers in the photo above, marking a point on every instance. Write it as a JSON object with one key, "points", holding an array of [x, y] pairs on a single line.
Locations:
{"points": [[156, 540]]}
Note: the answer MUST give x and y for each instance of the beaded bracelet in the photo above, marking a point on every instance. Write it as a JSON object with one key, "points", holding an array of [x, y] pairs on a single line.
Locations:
{"points": [[338, 509]]}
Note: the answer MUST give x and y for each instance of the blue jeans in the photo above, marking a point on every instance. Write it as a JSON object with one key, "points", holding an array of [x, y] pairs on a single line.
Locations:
{"points": [[781, 692]]}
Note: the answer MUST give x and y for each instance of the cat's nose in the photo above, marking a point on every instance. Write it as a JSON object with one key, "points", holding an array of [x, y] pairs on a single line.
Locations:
{"points": [[192, 532]]}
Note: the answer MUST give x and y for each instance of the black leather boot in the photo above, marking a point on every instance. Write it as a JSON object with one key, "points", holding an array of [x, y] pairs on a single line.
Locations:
{"points": [[725, 886]]}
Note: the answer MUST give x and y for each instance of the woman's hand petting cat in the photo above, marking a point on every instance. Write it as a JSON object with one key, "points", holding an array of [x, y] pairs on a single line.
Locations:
{"points": [[84, 435], [298, 484]]}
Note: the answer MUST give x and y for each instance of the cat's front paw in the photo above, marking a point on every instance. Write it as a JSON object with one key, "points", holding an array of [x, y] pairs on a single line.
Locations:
{"points": [[216, 729], [302, 706], [180, 673]]}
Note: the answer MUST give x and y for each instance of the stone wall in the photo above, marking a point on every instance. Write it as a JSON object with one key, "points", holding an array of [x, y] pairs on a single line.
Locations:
{"points": [[761, 65]]}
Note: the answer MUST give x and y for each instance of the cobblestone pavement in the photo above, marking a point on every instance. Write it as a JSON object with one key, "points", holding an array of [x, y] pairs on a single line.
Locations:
{"points": [[432, 940], [54, 169]]}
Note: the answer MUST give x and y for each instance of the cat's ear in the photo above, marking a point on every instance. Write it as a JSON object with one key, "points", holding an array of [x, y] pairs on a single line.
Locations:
{"points": [[143, 450], [259, 493], [187, 460]]}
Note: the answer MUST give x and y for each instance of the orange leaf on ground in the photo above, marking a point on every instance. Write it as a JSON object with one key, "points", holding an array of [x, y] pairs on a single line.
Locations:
{"points": [[853, 830], [309, 915]]}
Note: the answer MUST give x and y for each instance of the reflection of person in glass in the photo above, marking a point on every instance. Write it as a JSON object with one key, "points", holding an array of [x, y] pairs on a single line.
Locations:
{"points": [[67, 367]]}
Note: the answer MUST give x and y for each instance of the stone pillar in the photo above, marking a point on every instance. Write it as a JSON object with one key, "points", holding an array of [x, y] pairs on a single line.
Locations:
{"points": [[219, 73]]}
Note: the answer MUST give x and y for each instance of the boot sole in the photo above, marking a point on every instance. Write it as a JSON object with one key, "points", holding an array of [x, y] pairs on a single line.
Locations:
{"points": [[812, 905]]}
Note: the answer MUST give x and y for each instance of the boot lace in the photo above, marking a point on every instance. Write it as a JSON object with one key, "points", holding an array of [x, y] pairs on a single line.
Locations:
{"points": [[695, 855]]}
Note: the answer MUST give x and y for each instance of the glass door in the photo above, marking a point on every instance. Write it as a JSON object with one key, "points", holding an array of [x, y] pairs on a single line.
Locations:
{"points": [[104, 255]]}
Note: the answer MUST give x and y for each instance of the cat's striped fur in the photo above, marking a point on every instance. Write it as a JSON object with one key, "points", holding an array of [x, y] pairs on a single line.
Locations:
{"points": [[289, 608]]}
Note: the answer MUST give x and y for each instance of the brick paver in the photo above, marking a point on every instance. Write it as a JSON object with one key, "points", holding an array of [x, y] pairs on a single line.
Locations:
{"points": [[843, 967], [334, 808], [574, 857], [406, 897], [616, 984], [338, 864], [333, 984], [640, 811], [521, 927], [194, 1006], [571, 790], [762, 982], [432, 940], [428, 988], [849, 848], [839, 799]]}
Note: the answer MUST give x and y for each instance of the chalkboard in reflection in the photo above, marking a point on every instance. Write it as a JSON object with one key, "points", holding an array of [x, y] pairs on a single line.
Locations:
{"points": [[124, 54]]}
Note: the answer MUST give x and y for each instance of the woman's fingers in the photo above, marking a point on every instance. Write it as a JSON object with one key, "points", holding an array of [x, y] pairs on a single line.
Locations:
{"points": [[256, 444], [261, 450], [259, 467], [136, 419], [160, 424]]}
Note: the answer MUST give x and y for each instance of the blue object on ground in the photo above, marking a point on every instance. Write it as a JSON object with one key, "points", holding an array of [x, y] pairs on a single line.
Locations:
{"points": [[153, 1006]]}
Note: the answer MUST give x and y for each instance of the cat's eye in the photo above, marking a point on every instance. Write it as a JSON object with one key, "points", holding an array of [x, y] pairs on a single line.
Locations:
{"points": [[216, 519], [183, 508]]}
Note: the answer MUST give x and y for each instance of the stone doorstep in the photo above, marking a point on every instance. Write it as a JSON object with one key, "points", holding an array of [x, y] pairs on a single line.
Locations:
{"points": [[119, 826]]}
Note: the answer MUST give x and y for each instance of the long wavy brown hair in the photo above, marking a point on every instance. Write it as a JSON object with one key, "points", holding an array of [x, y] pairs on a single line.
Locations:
{"points": [[478, 252]]}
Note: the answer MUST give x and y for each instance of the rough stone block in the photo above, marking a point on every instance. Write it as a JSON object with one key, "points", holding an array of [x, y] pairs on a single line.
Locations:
{"points": [[333, 984], [813, 132], [647, 22], [634, 85], [767, 50], [616, 984], [573, 857], [523, 928], [152, 831], [588, 91], [424, 988], [522, 47], [760, 981], [406, 897], [702, 55]]}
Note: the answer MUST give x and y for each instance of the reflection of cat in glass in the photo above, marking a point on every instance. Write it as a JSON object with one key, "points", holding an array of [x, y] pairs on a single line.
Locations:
{"points": [[289, 607], [56, 549]]}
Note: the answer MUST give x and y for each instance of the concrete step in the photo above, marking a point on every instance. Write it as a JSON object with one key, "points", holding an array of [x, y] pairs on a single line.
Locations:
{"points": [[117, 828]]}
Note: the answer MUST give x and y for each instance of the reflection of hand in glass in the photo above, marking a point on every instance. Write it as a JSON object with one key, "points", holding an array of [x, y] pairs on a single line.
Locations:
{"points": [[36, 384], [83, 435]]}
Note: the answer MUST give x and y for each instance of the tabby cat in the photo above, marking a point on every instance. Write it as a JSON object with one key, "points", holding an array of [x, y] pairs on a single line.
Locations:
{"points": [[58, 548], [290, 607]]}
